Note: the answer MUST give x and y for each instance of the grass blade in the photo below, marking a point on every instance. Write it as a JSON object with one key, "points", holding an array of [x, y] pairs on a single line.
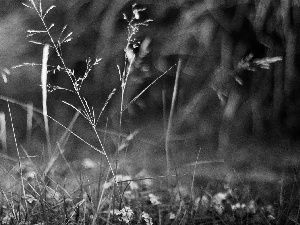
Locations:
{"points": [[29, 110], [44, 92], [136, 97], [41, 112], [3, 133], [168, 134]]}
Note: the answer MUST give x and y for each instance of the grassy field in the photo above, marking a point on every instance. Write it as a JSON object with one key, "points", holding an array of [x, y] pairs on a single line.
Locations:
{"points": [[76, 162]]}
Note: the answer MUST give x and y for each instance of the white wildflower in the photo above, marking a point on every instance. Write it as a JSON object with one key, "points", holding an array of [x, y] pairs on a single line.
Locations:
{"points": [[218, 201], [88, 163], [270, 209], [30, 175], [126, 214], [172, 216], [30, 199], [219, 208], [236, 206], [219, 198], [154, 199], [147, 218], [196, 203], [107, 185], [205, 202]]}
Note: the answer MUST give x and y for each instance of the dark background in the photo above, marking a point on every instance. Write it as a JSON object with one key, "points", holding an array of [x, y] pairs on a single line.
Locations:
{"points": [[210, 37]]}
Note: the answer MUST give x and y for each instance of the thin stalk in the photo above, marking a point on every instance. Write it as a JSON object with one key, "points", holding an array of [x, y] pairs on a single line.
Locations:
{"points": [[168, 134], [164, 109], [145, 89], [29, 110], [194, 175], [99, 203], [3, 132], [18, 152], [44, 91], [124, 78], [106, 156]]}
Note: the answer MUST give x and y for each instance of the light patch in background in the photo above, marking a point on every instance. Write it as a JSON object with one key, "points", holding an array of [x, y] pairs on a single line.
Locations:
{"points": [[12, 41]]}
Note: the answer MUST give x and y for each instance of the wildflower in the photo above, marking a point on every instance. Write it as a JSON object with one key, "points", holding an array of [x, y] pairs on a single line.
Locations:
{"points": [[30, 199], [196, 203], [218, 200], [172, 216], [236, 206], [30, 175], [205, 202], [125, 215], [252, 207], [107, 185], [270, 209], [53, 194], [219, 208], [88, 163], [147, 218], [154, 199]]}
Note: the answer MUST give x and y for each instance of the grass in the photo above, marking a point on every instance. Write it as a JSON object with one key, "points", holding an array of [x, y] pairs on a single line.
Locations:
{"points": [[50, 189]]}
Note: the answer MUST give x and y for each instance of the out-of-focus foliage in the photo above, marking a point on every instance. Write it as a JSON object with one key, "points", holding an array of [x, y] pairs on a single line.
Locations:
{"points": [[211, 37]]}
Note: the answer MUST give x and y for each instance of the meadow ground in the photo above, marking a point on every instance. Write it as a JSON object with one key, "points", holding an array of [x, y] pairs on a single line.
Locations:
{"points": [[256, 184]]}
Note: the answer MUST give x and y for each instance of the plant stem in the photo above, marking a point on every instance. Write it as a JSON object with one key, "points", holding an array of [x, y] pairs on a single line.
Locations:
{"points": [[168, 134], [44, 90]]}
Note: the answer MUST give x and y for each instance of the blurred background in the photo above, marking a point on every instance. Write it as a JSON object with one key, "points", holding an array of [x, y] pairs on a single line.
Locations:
{"points": [[227, 99]]}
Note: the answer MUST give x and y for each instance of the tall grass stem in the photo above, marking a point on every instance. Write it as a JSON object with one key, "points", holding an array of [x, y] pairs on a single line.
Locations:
{"points": [[44, 93], [3, 133], [168, 134], [29, 110], [18, 152]]}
